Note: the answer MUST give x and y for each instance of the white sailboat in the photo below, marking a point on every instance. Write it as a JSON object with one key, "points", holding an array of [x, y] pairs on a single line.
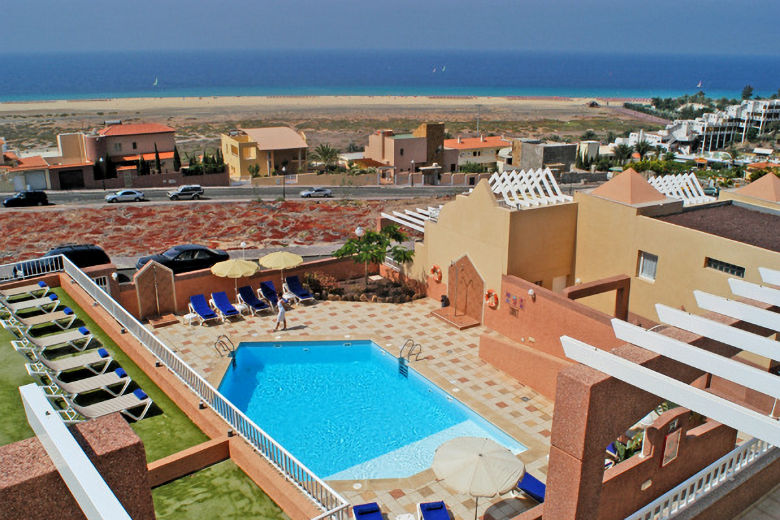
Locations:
{"points": [[155, 82], [443, 68], [699, 84]]}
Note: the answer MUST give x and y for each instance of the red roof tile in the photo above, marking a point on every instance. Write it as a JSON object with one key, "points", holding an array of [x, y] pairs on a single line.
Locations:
{"points": [[135, 129], [470, 143], [147, 156]]}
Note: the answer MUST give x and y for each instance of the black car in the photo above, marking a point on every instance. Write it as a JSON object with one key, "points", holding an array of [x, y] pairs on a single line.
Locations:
{"points": [[186, 257], [27, 198], [82, 255]]}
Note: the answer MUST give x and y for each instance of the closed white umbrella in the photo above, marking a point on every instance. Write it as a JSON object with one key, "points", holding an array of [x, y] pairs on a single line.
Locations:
{"points": [[476, 466]]}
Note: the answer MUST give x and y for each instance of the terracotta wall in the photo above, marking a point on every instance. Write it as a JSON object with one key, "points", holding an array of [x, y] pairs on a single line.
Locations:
{"points": [[700, 445], [31, 488], [188, 461], [203, 282], [535, 325], [465, 288], [302, 181]]}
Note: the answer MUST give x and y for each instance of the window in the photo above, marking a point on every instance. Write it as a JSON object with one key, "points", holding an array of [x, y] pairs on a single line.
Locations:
{"points": [[648, 264], [401, 152], [135, 145], [117, 147], [725, 267]]}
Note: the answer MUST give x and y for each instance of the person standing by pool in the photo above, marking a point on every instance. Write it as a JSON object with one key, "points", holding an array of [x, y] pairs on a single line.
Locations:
{"points": [[281, 319]]}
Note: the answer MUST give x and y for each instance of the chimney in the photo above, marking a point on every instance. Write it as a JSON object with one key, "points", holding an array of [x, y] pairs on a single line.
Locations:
{"points": [[459, 141]]}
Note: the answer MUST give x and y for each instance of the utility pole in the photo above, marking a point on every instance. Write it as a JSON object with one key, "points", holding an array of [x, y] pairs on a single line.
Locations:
{"points": [[479, 110]]}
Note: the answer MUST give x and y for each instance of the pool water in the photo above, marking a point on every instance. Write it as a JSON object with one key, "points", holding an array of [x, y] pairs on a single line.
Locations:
{"points": [[344, 410]]}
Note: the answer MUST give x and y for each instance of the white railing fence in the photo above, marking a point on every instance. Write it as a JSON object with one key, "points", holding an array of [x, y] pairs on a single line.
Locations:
{"points": [[707, 480], [329, 501]]}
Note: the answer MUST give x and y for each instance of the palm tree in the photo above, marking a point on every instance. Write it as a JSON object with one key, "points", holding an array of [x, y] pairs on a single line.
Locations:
{"points": [[374, 246], [642, 147], [326, 154], [622, 152]]}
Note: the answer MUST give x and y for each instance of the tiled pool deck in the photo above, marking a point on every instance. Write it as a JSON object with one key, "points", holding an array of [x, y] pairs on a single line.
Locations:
{"points": [[451, 361]]}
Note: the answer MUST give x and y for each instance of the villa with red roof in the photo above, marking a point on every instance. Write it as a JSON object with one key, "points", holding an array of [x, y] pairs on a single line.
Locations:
{"points": [[481, 150]]}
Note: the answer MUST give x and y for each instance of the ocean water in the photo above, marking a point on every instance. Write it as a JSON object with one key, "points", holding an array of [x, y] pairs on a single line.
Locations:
{"points": [[321, 72], [344, 410]]}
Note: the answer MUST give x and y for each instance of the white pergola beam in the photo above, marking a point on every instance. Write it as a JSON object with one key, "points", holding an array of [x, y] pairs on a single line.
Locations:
{"points": [[720, 366], [770, 276], [738, 310], [754, 291], [403, 222], [733, 336], [91, 492], [705, 403]]}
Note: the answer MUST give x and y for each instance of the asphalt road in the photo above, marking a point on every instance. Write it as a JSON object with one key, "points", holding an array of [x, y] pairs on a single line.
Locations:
{"points": [[269, 193], [264, 193]]}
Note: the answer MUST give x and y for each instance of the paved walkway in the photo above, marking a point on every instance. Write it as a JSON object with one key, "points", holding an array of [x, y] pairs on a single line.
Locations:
{"points": [[451, 361]]}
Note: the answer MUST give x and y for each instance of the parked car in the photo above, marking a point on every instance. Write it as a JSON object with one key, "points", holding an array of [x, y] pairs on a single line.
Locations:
{"points": [[186, 191], [316, 192], [711, 191], [186, 257], [126, 196], [82, 255], [27, 198]]}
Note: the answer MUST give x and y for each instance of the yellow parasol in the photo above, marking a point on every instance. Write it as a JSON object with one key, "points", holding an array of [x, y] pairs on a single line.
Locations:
{"points": [[281, 260], [234, 268]]}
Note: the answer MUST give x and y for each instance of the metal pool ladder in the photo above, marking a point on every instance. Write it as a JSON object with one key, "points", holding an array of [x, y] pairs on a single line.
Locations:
{"points": [[224, 346], [415, 349]]}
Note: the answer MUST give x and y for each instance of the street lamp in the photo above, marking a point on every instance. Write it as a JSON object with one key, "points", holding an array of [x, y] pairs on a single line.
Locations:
{"points": [[411, 174], [284, 182], [243, 250], [102, 163], [359, 231]]}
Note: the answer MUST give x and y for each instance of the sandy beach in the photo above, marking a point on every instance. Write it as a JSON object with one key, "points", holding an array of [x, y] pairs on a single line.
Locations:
{"points": [[337, 120]]}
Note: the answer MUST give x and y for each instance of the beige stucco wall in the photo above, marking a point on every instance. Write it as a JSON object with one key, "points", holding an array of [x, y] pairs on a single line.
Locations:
{"points": [[472, 224], [144, 143], [541, 243], [405, 150], [732, 194], [610, 236], [534, 244]]}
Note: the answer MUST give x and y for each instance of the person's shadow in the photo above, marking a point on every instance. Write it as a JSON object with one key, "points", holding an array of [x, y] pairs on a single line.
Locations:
{"points": [[297, 327]]}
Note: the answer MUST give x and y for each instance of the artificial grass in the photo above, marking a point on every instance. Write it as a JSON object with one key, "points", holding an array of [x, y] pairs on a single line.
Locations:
{"points": [[13, 426], [162, 433], [219, 491]]}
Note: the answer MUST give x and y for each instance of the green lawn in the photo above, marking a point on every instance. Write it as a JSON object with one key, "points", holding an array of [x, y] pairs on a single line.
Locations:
{"points": [[13, 426], [219, 491], [162, 433]]}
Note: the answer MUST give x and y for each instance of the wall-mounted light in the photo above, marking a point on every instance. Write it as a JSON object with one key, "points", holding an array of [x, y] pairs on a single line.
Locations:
{"points": [[532, 295], [114, 276]]}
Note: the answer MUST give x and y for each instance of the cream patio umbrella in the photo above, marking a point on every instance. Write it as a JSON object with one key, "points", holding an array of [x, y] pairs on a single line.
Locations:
{"points": [[281, 260], [235, 269], [477, 466]]}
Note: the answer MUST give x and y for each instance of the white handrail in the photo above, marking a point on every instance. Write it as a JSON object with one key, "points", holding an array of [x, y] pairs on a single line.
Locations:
{"points": [[702, 483], [327, 499]]}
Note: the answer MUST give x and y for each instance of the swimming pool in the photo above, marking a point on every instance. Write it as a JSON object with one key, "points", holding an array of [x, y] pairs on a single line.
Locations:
{"points": [[343, 409]]}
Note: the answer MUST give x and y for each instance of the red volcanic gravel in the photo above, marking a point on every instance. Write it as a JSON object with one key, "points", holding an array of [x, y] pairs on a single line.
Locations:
{"points": [[142, 229]]}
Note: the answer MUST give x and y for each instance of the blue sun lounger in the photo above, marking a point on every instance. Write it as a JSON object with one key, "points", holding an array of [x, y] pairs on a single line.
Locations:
{"points": [[248, 297], [268, 291], [531, 487], [432, 511], [292, 284], [200, 306], [220, 303], [368, 511]]}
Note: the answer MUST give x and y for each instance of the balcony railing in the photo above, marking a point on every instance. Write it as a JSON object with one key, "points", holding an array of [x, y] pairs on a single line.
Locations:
{"points": [[682, 497]]}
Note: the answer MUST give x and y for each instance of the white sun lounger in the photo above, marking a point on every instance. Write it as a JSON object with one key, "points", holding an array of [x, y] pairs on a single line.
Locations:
{"points": [[48, 303], [96, 361], [98, 382], [34, 289], [73, 338], [123, 403], [63, 319]]}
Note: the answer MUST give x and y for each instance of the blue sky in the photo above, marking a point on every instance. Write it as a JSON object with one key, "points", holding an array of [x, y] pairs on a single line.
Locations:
{"points": [[628, 26]]}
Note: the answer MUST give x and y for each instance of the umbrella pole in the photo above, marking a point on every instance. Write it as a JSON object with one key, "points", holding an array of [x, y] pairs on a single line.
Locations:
{"points": [[476, 509]]}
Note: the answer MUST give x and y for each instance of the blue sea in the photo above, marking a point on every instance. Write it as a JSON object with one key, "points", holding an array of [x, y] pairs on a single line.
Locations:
{"points": [[29, 77]]}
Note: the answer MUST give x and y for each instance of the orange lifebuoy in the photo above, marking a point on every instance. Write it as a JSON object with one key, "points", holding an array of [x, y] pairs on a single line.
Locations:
{"points": [[491, 298], [436, 273]]}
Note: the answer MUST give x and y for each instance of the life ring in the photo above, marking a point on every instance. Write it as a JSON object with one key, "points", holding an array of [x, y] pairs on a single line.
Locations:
{"points": [[436, 273], [491, 298]]}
